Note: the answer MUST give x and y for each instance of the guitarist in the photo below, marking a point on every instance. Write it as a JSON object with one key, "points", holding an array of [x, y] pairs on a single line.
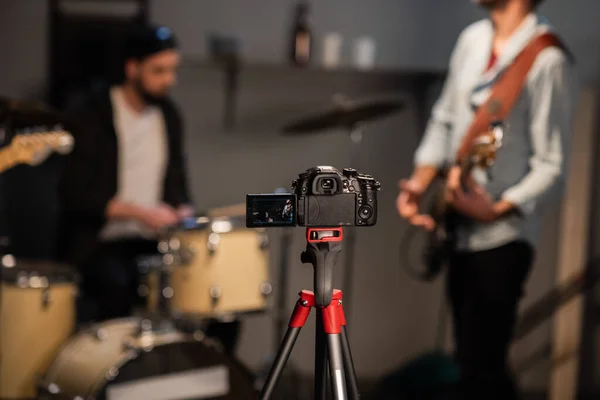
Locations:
{"points": [[501, 212]]}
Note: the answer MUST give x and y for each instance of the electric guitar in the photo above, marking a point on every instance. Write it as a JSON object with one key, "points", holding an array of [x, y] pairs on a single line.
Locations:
{"points": [[34, 148], [442, 240], [440, 243]]}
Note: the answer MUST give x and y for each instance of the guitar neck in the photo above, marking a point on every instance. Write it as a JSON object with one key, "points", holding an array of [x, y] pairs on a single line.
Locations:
{"points": [[8, 159]]}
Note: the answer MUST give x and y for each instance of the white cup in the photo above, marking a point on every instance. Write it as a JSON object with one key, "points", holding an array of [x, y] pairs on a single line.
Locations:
{"points": [[364, 53], [332, 50]]}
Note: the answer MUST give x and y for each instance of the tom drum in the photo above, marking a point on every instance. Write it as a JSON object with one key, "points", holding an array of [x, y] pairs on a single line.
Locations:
{"points": [[37, 315], [221, 268]]}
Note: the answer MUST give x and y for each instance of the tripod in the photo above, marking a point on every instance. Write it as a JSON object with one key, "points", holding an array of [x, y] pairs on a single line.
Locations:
{"points": [[322, 248]]}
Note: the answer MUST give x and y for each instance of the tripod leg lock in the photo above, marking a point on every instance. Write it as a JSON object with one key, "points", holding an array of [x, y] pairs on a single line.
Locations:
{"points": [[333, 315], [302, 309]]}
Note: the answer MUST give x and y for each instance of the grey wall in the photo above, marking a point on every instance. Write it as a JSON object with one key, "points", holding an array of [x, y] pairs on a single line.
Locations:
{"points": [[23, 31], [409, 33], [394, 317]]}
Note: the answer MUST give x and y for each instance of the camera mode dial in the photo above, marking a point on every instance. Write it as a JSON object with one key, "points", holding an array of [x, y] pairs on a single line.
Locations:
{"points": [[350, 172]]}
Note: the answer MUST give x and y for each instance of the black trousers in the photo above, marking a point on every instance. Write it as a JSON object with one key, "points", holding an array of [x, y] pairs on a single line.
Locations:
{"points": [[484, 289], [110, 282]]}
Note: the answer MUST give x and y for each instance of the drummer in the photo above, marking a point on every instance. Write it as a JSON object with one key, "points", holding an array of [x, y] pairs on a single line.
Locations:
{"points": [[126, 178]]}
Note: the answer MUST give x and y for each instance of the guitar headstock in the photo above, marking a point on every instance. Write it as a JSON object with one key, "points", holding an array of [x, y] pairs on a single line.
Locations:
{"points": [[486, 145], [35, 147]]}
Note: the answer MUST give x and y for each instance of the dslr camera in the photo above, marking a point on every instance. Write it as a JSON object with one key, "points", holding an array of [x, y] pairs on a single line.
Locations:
{"points": [[321, 197]]}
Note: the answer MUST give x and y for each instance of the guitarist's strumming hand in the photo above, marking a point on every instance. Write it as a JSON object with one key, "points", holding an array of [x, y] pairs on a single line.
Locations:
{"points": [[476, 202], [409, 201]]}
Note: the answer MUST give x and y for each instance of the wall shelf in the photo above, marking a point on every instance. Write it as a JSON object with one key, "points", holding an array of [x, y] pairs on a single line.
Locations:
{"points": [[417, 82]]}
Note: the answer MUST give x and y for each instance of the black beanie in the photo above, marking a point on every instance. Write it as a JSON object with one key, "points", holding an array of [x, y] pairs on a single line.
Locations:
{"points": [[145, 41]]}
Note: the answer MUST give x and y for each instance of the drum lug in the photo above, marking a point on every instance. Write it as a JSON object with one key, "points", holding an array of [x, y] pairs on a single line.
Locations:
{"points": [[213, 242], [263, 240], [266, 288], [46, 298], [215, 293], [163, 246], [199, 336], [186, 255], [52, 388]]}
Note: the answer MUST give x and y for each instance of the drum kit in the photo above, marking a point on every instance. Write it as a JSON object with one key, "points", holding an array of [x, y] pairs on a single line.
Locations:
{"points": [[208, 268]]}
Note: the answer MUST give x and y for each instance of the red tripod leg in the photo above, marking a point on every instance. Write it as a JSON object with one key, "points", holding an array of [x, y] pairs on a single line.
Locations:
{"points": [[332, 319], [351, 380], [334, 322], [297, 321]]}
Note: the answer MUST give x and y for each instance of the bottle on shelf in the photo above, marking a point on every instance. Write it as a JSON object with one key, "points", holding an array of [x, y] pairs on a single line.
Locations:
{"points": [[301, 36]]}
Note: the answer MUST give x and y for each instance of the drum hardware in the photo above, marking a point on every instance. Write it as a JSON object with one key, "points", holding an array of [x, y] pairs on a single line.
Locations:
{"points": [[215, 294], [263, 239], [46, 297], [213, 243], [8, 260], [266, 288]]}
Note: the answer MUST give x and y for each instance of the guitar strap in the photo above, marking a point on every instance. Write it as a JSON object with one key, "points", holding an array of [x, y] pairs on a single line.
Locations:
{"points": [[506, 91]]}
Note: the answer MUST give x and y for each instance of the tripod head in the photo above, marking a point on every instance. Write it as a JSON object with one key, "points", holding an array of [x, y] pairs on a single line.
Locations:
{"points": [[322, 248]]}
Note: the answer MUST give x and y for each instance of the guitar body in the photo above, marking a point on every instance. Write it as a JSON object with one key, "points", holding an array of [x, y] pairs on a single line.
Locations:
{"points": [[442, 240]]}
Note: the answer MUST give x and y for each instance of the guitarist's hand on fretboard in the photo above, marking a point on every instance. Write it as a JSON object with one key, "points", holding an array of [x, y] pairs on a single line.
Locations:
{"points": [[409, 202]]}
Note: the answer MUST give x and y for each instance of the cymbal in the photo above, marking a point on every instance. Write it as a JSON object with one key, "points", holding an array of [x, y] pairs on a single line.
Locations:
{"points": [[21, 106], [25, 110], [346, 114]]}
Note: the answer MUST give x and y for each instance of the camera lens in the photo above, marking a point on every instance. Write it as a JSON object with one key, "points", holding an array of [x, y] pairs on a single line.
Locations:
{"points": [[365, 212], [327, 184]]}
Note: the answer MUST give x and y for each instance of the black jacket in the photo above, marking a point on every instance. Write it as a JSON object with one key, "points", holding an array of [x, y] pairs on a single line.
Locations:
{"points": [[89, 179]]}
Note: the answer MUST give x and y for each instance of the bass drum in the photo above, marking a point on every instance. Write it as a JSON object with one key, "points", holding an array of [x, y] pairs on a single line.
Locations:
{"points": [[114, 361]]}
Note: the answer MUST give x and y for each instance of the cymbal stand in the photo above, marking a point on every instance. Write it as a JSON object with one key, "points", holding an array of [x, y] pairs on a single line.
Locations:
{"points": [[322, 248], [356, 134], [156, 312]]}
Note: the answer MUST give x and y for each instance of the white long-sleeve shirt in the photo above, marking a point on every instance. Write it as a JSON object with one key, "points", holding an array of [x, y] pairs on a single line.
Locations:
{"points": [[531, 162]]}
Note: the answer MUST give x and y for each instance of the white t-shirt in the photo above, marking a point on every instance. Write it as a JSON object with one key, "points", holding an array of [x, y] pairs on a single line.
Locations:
{"points": [[142, 149]]}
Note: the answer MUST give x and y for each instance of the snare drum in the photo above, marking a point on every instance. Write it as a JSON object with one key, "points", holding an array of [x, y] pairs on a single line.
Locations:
{"points": [[126, 359], [37, 315], [220, 268]]}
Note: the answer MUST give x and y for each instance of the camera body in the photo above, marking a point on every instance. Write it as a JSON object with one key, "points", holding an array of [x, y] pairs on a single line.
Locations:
{"points": [[321, 197], [328, 198]]}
